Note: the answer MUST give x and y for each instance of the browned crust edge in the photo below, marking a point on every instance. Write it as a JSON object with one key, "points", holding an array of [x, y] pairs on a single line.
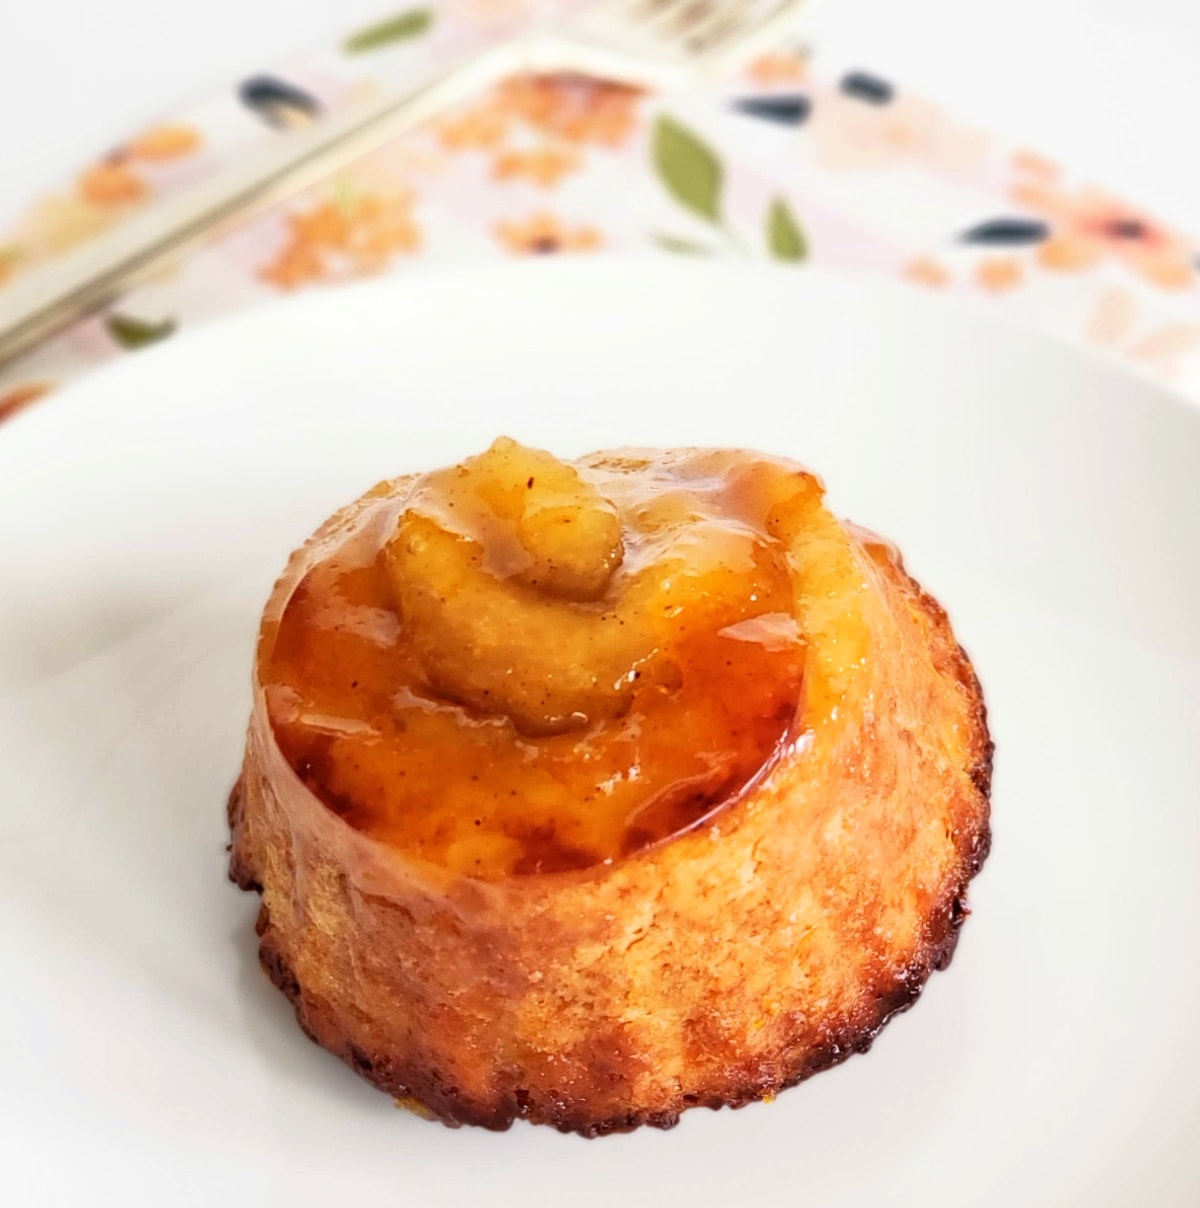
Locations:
{"points": [[446, 1103]]}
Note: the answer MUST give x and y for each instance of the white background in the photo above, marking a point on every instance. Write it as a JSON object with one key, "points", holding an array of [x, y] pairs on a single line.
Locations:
{"points": [[1110, 86]]}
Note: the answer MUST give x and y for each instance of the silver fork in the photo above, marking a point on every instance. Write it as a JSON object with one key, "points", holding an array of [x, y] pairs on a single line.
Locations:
{"points": [[652, 44]]}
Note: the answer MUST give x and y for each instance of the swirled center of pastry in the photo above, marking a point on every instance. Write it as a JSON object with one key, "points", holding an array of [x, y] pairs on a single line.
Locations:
{"points": [[521, 665]]}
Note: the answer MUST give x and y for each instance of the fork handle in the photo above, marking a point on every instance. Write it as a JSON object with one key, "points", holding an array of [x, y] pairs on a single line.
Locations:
{"points": [[39, 304]]}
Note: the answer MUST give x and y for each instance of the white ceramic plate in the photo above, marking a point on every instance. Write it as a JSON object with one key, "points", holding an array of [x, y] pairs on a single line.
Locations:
{"points": [[1050, 500]]}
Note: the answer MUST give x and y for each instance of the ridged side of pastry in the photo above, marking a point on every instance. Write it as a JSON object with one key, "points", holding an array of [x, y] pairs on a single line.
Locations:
{"points": [[770, 942]]}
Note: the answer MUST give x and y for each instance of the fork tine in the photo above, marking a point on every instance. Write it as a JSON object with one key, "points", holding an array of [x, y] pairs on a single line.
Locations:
{"points": [[678, 17], [693, 13], [762, 29], [689, 31], [737, 18], [727, 19], [659, 15]]}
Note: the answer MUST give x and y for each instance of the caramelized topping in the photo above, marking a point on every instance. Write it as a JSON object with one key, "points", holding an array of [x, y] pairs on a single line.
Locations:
{"points": [[522, 665]]}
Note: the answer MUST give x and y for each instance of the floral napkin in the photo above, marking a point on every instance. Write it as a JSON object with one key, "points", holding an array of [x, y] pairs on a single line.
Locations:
{"points": [[797, 160]]}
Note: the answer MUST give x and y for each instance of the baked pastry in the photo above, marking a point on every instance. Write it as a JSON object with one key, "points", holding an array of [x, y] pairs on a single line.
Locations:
{"points": [[588, 792]]}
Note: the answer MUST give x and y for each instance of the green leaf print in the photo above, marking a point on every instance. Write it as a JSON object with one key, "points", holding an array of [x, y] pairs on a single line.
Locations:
{"points": [[134, 333], [681, 247], [785, 237], [400, 28], [689, 169]]}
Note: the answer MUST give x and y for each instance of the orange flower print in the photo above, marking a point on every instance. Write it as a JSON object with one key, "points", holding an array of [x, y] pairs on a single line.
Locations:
{"points": [[544, 166], [1034, 165], [489, 14], [20, 397], [999, 274], [1164, 350], [163, 143], [925, 270], [1115, 323], [474, 130], [576, 108], [8, 261], [111, 183], [100, 198], [777, 67], [1090, 226], [55, 224], [850, 133], [1112, 318], [343, 238], [543, 234]]}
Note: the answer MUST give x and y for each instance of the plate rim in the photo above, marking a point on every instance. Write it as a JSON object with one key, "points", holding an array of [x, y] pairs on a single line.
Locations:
{"points": [[980, 313]]}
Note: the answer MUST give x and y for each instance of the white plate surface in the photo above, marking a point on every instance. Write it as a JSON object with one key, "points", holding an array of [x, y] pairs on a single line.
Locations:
{"points": [[1050, 500]]}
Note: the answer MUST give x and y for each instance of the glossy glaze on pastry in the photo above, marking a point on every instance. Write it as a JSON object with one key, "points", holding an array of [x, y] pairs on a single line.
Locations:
{"points": [[584, 792]]}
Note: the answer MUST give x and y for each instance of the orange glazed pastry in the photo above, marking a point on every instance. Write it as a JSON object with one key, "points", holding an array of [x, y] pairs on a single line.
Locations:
{"points": [[587, 792]]}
